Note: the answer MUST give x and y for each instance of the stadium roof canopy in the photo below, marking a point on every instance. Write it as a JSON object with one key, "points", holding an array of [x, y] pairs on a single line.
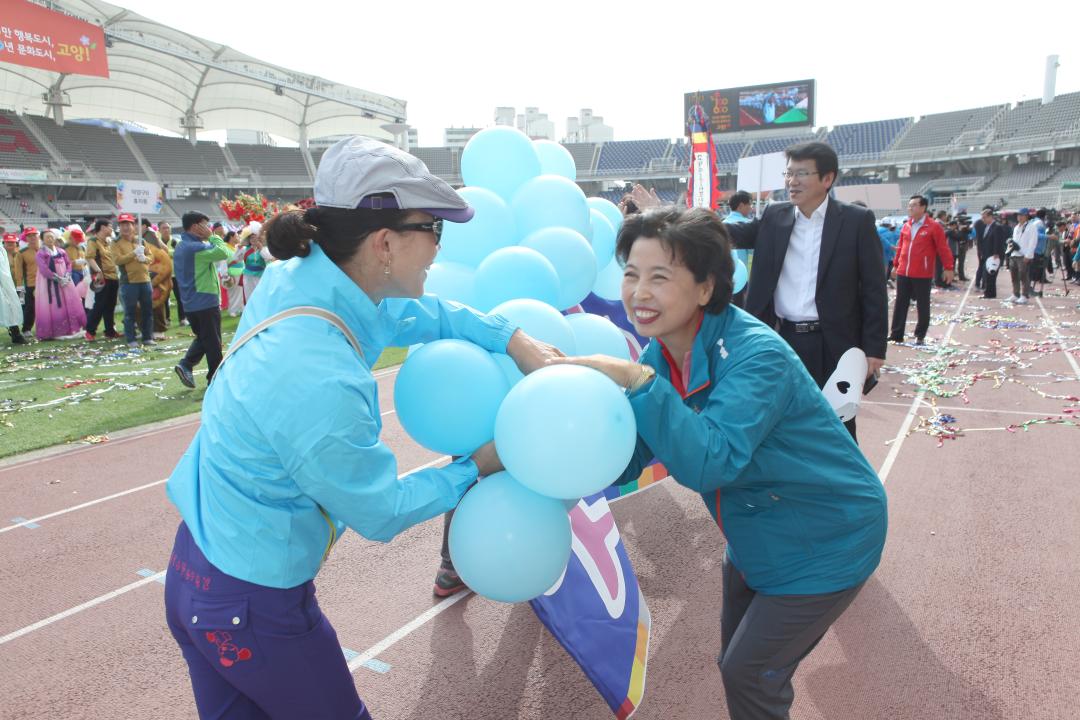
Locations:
{"points": [[172, 80]]}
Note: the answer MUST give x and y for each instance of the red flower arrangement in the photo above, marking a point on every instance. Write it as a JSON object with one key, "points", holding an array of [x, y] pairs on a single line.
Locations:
{"points": [[248, 208]]}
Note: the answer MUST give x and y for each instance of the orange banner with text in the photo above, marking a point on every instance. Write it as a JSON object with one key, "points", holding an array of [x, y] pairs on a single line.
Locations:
{"points": [[37, 37]]}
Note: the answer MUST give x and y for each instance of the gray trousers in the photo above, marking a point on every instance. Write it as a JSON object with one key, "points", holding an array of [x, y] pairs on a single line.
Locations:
{"points": [[763, 640]]}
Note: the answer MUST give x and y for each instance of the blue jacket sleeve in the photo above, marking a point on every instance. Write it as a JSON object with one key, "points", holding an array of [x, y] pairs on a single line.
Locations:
{"points": [[429, 318], [709, 450], [339, 461]]}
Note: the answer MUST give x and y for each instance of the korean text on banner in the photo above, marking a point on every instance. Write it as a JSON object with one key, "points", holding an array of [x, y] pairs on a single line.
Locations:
{"points": [[139, 197], [34, 36]]}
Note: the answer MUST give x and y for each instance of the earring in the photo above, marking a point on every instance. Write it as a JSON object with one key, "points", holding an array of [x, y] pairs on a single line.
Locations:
{"points": [[386, 270]]}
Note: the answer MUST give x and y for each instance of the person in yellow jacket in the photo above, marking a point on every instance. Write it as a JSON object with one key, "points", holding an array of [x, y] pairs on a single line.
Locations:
{"points": [[161, 273], [24, 270], [133, 269]]}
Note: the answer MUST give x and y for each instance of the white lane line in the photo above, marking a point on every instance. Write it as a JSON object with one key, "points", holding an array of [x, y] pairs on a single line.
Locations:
{"points": [[898, 441], [417, 622], [39, 518], [79, 608], [1031, 413], [434, 611], [139, 583], [1058, 337]]}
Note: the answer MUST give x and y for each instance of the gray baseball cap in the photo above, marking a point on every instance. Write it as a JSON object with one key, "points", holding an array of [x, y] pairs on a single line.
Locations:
{"points": [[359, 172]]}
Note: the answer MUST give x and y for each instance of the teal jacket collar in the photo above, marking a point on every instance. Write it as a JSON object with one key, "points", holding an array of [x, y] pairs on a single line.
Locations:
{"points": [[711, 332]]}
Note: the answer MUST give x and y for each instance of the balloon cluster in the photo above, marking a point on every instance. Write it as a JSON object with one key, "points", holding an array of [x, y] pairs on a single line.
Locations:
{"points": [[532, 250]]}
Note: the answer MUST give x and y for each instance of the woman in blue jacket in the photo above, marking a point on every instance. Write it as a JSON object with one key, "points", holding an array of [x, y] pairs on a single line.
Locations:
{"points": [[288, 454], [728, 407]]}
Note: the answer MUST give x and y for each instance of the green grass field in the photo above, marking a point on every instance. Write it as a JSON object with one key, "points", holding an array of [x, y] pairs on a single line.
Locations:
{"points": [[72, 391]]}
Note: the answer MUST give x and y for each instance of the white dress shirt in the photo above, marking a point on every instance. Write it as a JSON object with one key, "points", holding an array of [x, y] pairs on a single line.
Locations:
{"points": [[795, 298]]}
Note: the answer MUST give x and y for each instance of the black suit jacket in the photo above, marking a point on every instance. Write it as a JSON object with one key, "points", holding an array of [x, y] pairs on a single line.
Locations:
{"points": [[993, 243], [852, 302]]}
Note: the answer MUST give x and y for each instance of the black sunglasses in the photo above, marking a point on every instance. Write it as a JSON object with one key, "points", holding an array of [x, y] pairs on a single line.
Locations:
{"points": [[434, 227]]}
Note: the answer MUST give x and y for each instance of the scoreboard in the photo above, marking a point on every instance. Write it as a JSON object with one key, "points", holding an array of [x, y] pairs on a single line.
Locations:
{"points": [[752, 107]]}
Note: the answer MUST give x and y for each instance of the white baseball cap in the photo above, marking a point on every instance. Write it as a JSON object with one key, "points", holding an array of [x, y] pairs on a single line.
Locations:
{"points": [[359, 172]]}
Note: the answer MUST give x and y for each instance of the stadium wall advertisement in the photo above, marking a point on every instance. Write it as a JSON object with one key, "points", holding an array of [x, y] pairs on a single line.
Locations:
{"points": [[755, 107], [37, 37]]}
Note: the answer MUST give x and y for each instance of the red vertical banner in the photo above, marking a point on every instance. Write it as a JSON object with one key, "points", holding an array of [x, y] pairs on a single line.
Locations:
{"points": [[37, 37], [704, 186]]}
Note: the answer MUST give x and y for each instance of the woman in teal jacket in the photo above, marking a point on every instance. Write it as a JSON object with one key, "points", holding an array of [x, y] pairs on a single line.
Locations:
{"points": [[288, 453], [725, 404]]}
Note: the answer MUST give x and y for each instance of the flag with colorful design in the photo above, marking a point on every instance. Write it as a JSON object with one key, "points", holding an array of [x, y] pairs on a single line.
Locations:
{"points": [[597, 611], [704, 185]]}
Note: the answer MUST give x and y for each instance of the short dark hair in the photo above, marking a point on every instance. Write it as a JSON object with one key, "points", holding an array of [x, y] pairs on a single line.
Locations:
{"points": [[1040, 213], [922, 200], [146, 222], [695, 237], [192, 218], [100, 223], [824, 157], [739, 198]]}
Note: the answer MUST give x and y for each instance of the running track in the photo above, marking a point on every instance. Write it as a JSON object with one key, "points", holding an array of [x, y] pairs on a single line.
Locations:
{"points": [[972, 614]]}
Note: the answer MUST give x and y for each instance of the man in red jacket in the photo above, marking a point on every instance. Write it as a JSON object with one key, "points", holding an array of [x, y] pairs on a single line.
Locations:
{"points": [[921, 241]]}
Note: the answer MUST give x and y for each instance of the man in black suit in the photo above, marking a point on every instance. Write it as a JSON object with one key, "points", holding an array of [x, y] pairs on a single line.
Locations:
{"points": [[990, 239], [819, 275]]}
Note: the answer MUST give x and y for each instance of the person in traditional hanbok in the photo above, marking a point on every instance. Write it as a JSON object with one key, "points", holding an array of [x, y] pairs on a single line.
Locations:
{"points": [[59, 309]]}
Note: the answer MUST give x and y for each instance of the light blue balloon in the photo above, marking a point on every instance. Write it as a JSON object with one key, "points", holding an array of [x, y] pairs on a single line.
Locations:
{"points": [[566, 431], [740, 277], [555, 159], [507, 542], [491, 228], [500, 159], [603, 237], [447, 395], [609, 209], [573, 259], [609, 281], [539, 320], [509, 368], [596, 335], [452, 281], [515, 272], [550, 201]]}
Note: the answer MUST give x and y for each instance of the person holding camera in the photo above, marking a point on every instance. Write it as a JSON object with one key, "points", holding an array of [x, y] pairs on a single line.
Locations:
{"points": [[1021, 252]]}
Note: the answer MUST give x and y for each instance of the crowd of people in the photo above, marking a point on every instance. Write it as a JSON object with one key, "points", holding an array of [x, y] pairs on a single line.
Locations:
{"points": [[65, 283]]}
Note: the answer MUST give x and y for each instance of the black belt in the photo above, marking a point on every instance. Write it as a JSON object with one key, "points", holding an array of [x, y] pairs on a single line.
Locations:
{"points": [[799, 328]]}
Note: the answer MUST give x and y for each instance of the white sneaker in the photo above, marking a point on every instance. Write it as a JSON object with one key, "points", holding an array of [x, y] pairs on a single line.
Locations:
{"points": [[1021, 301], [1011, 298]]}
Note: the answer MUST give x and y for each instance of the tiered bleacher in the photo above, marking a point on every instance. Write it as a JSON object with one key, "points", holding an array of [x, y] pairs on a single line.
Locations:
{"points": [[629, 155], [778, 144], [100, 150], [175, 159], [942, 129], [18, 148], [868, 139], [997, 154], [271, 162]]}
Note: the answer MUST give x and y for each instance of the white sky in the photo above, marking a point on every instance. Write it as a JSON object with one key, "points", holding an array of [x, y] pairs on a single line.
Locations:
{"points": [[631, 62]]}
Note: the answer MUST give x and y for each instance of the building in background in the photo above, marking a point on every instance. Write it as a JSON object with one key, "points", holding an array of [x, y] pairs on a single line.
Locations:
{"points": [[457, 137], [587, 128]]}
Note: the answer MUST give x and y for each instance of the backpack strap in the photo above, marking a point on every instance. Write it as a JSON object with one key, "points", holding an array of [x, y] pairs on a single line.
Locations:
{"points": [[299, 311]]}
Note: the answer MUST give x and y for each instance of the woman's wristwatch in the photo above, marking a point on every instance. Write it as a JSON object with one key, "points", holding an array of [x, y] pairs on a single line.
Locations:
{"points": [[647, 374]]}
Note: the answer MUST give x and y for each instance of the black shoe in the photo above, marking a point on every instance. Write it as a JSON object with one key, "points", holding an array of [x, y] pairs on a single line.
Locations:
{"points": [[920, 341], [893, 338], [17, 337], [185, 376], [448, 582]]}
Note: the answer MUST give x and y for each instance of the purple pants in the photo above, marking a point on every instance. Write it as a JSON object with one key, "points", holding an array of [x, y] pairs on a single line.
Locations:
{"points": [[254, 651]]}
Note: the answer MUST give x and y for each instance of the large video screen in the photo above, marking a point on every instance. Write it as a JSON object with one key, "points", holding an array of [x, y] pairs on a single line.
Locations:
{"points": [[754, 107]]}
